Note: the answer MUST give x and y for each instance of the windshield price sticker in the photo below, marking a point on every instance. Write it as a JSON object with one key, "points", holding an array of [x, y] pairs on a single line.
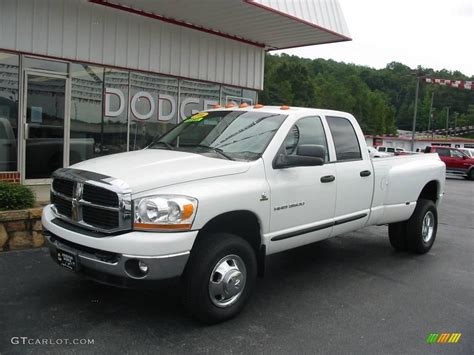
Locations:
{"points": [[197, 117]]}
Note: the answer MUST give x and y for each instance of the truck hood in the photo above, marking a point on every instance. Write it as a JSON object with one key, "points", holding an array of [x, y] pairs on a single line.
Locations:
{"points": [[153, 168]]}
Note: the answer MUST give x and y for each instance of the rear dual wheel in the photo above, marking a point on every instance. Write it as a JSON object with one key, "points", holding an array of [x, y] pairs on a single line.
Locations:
{"points": [[419, 232]]}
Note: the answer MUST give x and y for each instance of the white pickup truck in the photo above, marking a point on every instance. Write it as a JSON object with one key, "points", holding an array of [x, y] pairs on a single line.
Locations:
{"points": [[209, 200]]}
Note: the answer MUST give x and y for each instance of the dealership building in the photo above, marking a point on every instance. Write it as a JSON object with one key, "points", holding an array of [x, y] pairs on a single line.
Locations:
{"points": [[81, 79]]}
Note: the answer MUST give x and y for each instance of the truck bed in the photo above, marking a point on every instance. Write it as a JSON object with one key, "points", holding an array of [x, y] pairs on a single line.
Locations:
{"points": [[394, 199]]}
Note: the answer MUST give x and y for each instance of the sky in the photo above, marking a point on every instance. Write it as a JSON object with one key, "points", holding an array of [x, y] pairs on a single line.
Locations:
{"points": [[436, 34]]}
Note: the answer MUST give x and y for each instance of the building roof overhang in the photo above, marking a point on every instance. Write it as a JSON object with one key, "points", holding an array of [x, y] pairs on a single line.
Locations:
{"points": [[270, 24]]}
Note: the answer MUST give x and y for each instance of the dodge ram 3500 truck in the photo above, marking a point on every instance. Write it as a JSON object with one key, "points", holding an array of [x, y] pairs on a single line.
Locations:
{"points": [[210, 199]]}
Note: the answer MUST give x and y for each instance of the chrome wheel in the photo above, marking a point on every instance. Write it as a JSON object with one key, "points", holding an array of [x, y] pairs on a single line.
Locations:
{"points": [[227, 281], [427, 226]]}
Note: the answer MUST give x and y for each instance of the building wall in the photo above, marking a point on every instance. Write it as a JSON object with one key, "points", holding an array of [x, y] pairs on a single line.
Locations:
{"points": [[160, 72], [82, 31]]}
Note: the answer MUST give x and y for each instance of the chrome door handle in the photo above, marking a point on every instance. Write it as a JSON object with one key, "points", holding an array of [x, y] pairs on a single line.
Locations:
{"points": [[328, 178]]}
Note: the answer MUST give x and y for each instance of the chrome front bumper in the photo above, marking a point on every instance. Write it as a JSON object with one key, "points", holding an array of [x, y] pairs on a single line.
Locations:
{"points": [[115, 268]]}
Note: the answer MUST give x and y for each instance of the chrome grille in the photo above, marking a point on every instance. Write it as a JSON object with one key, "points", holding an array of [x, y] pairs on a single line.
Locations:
{"points": [[64, 187], [90, 200], [99, 217], [100, 196], [62, 205]]}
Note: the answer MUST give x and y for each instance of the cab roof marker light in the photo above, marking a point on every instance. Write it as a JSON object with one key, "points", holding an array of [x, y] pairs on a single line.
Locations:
{"points": [[229, 105], [216, 106], [243, 105], [257, 106], [284, 107]]}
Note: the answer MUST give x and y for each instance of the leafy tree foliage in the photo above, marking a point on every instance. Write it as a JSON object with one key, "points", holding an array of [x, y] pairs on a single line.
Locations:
{"points": [[381, 99]]}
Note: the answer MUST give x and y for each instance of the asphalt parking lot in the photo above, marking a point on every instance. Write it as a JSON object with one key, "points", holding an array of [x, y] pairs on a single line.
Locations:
{"points": [[350, 294]]}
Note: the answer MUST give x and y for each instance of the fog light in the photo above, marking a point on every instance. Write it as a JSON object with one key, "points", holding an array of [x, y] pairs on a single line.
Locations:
{"points": [[142, 266]]}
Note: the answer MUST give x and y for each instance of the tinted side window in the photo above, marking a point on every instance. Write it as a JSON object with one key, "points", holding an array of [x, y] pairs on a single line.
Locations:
{"points": [[308, 130], [345, 139], [443, 152]]}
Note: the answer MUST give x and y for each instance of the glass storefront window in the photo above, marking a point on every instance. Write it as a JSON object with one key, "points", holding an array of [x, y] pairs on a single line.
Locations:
{"points": [[8, 111], [238, 96], [44, 64], [231, 94], [115, 124], [153, 107], [45, 120], [87, 125], [110, 111], [195, 96], [249, 96]]}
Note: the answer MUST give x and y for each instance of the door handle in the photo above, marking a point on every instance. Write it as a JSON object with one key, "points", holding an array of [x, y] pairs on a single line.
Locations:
{"points": [[365, 173], [328, 178], [27, 131]]}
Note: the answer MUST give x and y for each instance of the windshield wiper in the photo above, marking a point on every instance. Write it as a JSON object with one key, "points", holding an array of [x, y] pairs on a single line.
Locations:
{"points": [[216, 150], [167, 145]]}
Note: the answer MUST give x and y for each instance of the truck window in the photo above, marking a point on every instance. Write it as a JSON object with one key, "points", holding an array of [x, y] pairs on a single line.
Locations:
{"points": [[308, 130], [240, 135], [345, 139]]}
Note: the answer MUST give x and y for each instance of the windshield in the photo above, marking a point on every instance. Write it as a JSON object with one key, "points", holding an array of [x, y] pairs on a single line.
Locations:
{"points": [[235, 135]]}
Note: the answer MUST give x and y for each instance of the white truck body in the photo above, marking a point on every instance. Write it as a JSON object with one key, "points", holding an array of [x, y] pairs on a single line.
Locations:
{"points": [[293, 206]]}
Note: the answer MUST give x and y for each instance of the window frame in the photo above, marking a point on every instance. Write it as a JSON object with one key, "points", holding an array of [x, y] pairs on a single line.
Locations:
{"points": [[328, 118], [281, 149]]}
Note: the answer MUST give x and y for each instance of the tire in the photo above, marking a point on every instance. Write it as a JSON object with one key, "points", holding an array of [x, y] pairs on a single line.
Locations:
{"points": [[397, 235], [217, 258], [422, 227], [470, 175]]}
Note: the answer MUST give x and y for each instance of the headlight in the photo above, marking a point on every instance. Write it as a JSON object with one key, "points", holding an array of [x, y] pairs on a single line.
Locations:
{"points": [[164, 212]]}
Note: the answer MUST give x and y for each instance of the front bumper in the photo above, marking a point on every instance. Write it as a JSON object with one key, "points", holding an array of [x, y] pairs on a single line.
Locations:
{"points": [[114, 259]]}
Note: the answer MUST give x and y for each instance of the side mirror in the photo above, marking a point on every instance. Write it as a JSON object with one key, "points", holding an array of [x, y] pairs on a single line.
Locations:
{"points": [[306, 155], [464, 157]]}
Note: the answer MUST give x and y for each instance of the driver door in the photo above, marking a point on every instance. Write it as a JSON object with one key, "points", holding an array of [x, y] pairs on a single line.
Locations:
{"points": [[302, 198]]}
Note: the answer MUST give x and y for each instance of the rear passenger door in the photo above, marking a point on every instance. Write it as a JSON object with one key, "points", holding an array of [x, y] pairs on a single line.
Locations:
{"points": [[458, 162], [354, 176]]}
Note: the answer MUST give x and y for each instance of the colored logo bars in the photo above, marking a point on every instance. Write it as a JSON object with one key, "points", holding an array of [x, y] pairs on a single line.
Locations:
{"points": [[443, 338]]}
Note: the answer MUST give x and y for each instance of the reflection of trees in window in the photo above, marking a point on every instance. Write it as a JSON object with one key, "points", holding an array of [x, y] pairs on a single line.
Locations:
{"points": [[9, 92], [142, 132]]}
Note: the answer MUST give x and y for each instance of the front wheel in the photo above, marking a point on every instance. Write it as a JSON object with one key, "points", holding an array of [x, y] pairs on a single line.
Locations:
{"points": [[219, 277]]}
